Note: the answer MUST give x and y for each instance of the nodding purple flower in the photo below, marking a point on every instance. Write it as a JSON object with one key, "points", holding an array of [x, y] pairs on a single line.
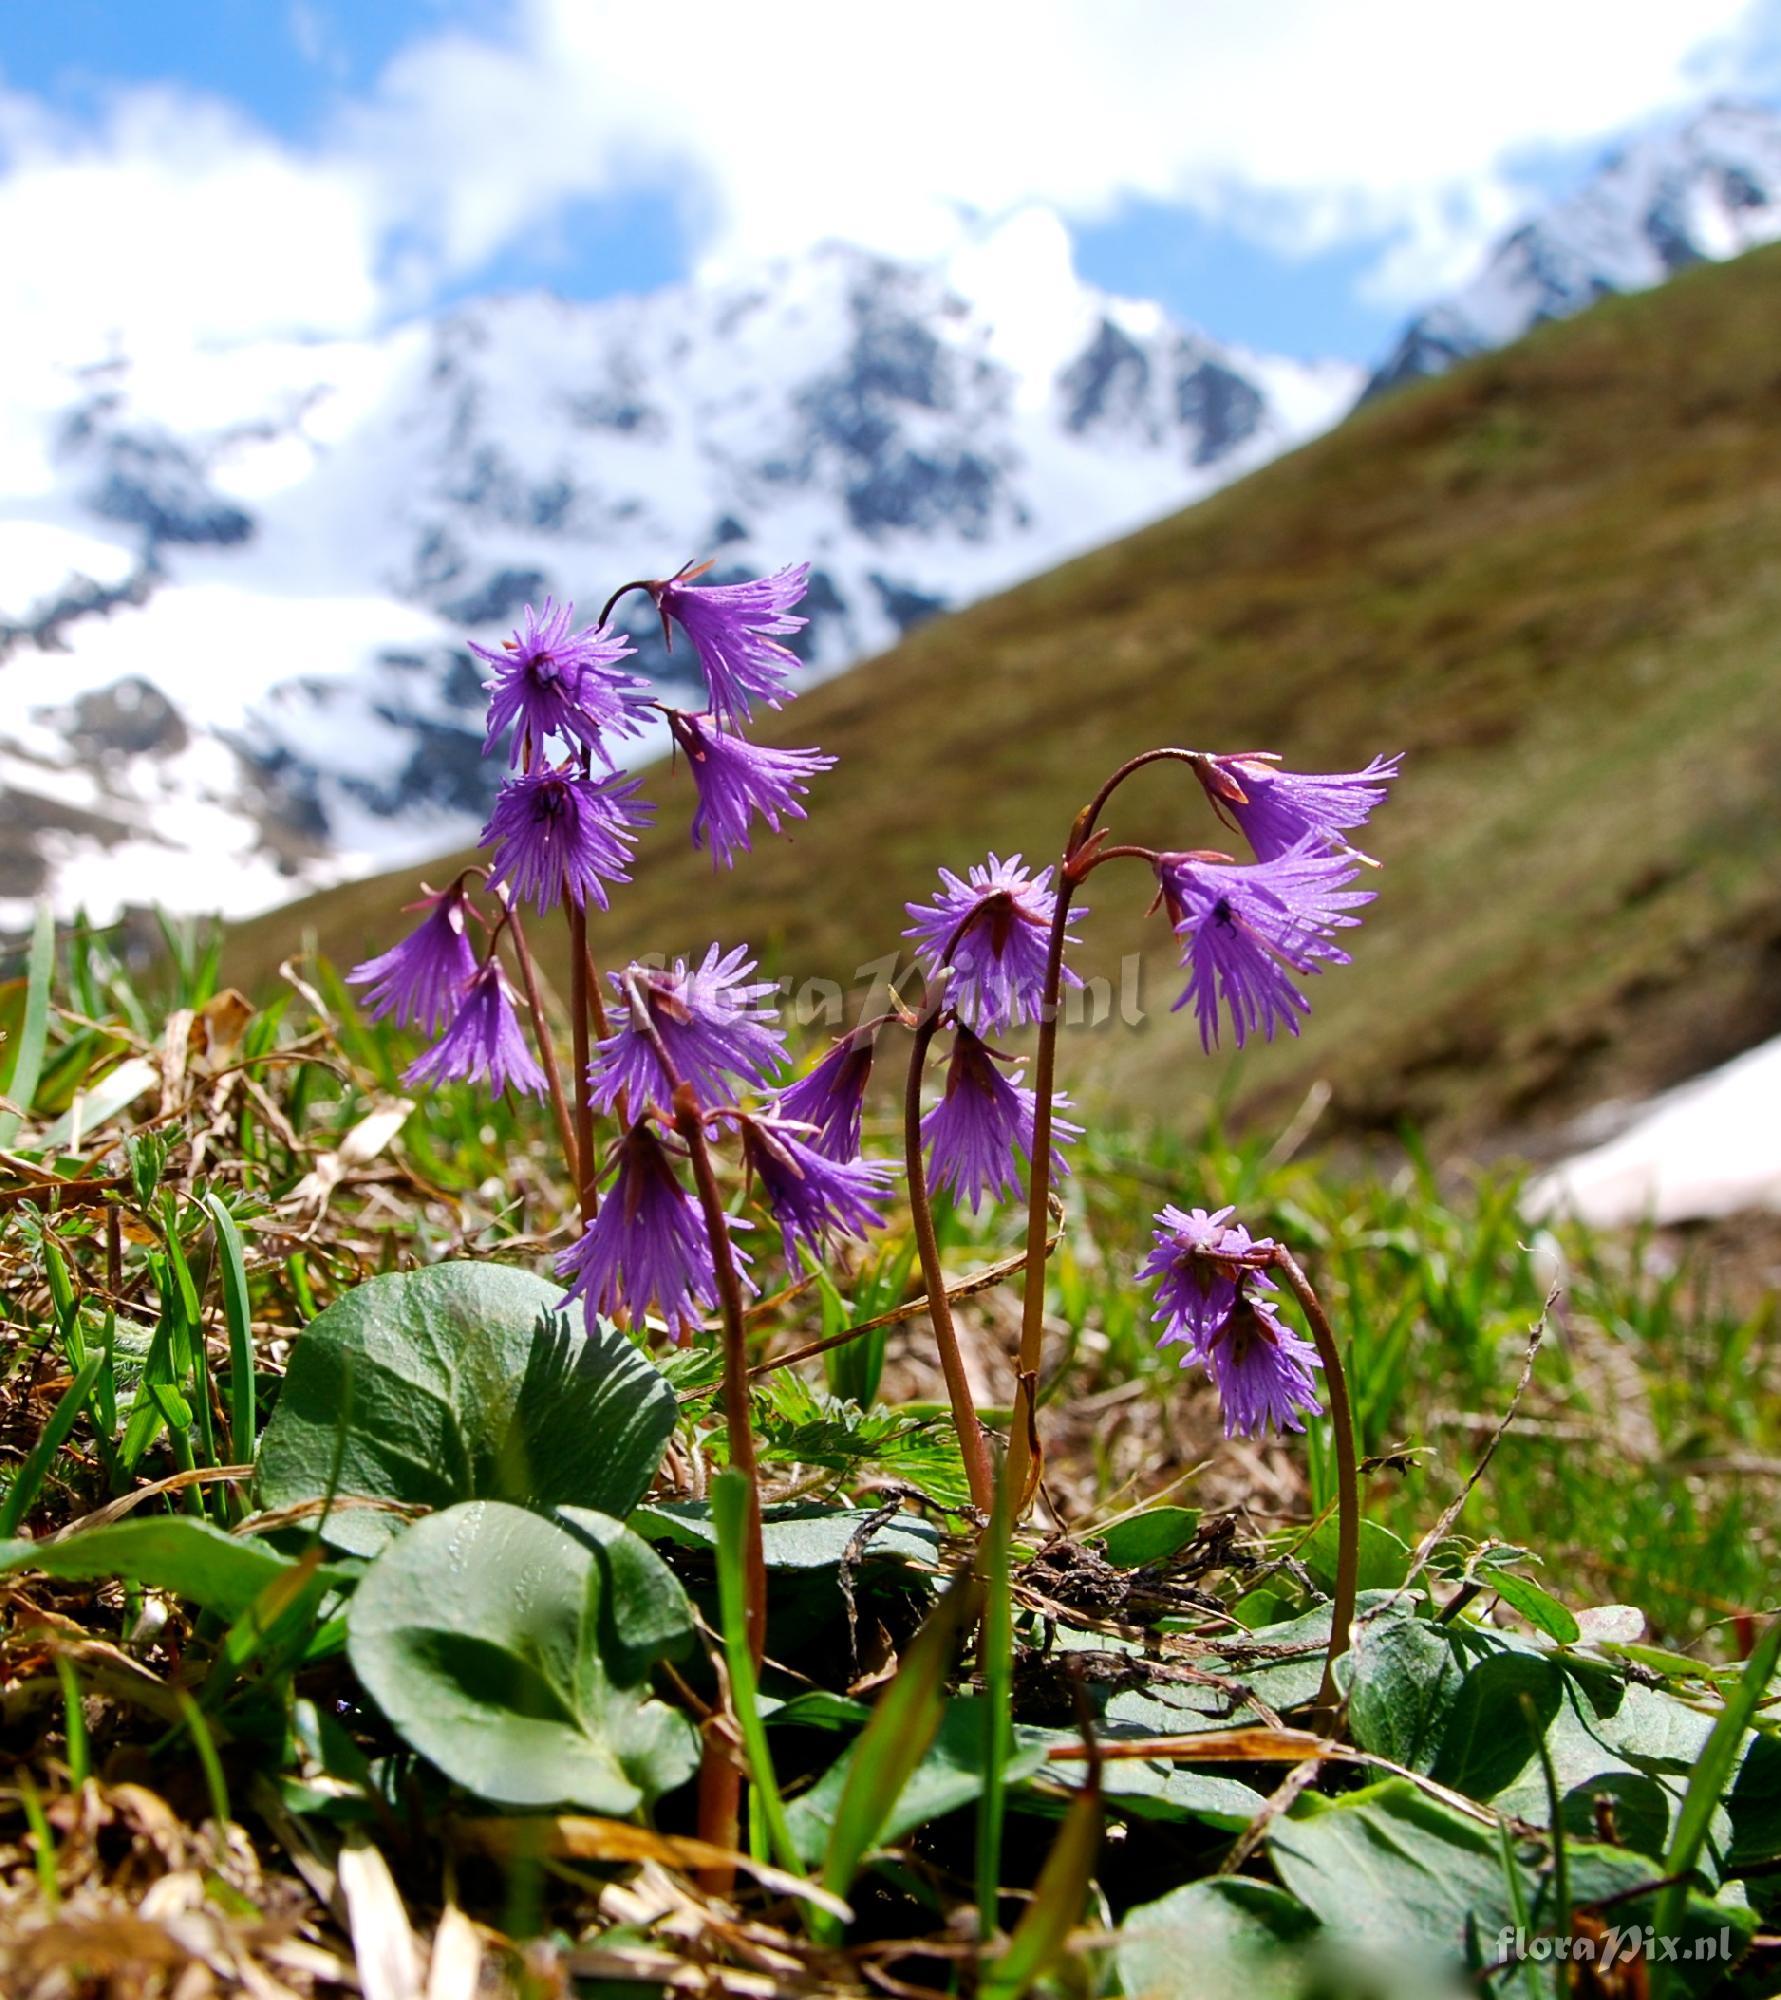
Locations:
{"points": [[421, 980], [551, 681], [1212, 1302], [735, 628], [710, 1022], [1196, 1281], [1262, 1370], [648, 1246], [994, 929], [832, 1097], [560, 837], [1246, 930], [812, 1197], [736, 779], [984, 1120], [484, 1043], [1275, 810]]}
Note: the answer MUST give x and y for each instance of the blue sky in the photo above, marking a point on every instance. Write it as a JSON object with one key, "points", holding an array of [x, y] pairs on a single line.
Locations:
{"points": [[1297, 177]]}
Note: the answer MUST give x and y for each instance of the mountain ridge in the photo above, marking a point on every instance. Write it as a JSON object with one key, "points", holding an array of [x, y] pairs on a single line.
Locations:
{"points": [[283, 551], [1699, 190], [1538, 576]]}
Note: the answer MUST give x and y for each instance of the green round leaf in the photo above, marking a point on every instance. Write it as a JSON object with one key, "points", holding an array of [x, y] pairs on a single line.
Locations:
{"points": [[1225, 1939], [460, 1382], [491, 1640]]}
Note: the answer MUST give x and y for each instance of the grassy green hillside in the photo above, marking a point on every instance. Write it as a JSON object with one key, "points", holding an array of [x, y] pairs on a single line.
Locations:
{"points": [[1554, 579]]}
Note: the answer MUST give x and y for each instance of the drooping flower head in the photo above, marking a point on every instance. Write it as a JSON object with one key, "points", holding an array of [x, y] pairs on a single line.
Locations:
{"points": [[559, 837], [811, 1196], [1275, 810], [484, 1043], [735, 629], [1195, 1273], [1262, 1370], [648, 1246], [1212, 1300], [549, 681], [736, 779], [832, 1097], [994, 929], [712, 1023], [982, 1126], [1246, 930], [420, 981]]}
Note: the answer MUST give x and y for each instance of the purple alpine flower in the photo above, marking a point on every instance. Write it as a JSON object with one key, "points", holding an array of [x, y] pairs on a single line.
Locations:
{"points": [[648, 1245], [811, 1196], [734, 628], [1262, 1370], [1196, 1281], [710, 1020], [1275, 810], [421, 980], [832, 1096], [1245, 931], [736, 779], [982, 1122], [1210, 1300], [484, 1043], [559, 837], [994, 929], [552, 681]]}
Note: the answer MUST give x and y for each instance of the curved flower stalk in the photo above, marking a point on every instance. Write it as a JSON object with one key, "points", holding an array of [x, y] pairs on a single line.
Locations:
{"points": [[1246, 933]]}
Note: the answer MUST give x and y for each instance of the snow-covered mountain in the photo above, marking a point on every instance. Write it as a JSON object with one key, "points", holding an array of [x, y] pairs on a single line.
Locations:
{"points": [[235, 587], [1708, 188]]}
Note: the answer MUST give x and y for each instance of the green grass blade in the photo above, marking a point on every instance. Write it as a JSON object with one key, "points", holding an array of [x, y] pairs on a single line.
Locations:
{"points": [[74, 1724], [729, 1514], [205, 1745], [243, 1415], [1708, 1786], [35, 1470], [998, 1686], [1058, 1896], [27, 1063], [902, 1727]]}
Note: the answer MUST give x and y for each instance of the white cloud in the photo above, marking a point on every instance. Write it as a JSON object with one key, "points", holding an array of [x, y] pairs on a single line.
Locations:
{"points": [[174, 217], [1306, 123]]}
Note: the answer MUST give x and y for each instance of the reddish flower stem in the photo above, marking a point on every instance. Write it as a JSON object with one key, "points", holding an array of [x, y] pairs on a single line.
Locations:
{"points": [[973, 1447], [579, 991], [547, 1054], [1348, 1503], [1023, 1465], [720, 1782]]}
